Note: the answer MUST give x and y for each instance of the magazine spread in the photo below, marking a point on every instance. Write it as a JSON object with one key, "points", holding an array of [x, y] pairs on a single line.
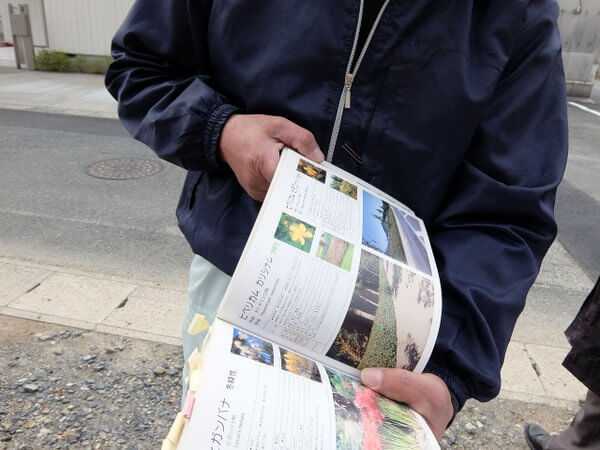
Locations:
{"points": [[256, 394], [336, 276], [337, 271]]}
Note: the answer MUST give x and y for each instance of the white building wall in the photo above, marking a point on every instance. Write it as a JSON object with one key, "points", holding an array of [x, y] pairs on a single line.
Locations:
{"points": [[83, 27]]}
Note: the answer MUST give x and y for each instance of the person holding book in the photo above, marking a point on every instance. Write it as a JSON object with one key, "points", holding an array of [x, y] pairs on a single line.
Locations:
{"points": [[455, 108]]}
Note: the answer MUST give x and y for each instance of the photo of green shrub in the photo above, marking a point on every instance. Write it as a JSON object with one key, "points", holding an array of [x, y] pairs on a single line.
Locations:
{"points": [[335, 251], [345, 187], [295, 232]]}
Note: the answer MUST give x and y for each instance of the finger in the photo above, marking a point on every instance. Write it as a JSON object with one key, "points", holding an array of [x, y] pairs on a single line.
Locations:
{"points": [[300, 139], [398, 384]]}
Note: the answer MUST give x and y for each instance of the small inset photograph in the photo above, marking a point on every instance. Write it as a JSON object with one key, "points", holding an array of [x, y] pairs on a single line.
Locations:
{"points": [[380, 229], [295, 232], [345, 187], [252, 347], [413, 239], [312, 171], [299, 365], [336, 251]]}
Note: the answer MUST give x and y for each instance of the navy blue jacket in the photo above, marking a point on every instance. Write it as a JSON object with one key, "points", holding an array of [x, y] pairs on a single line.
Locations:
{"points": [[457, 109]]}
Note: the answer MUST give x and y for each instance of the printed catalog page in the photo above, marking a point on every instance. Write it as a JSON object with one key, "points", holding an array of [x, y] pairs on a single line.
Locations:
{"points": [[338, 271], [258, 395]]}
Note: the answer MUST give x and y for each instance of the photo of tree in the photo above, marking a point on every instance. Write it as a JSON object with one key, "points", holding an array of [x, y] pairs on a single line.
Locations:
{"points": [[335, 251], [251, 347], [311, 170], [367, 420], [295, 232], [299, 365], [380, 229], [345, 187]]}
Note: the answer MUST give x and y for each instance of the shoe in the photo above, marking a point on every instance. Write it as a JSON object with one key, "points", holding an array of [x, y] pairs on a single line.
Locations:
{"points": [[535, 436]]}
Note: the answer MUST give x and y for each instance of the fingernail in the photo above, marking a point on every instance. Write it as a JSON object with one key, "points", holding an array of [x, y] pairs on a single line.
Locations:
{"points": [[371, 377]]}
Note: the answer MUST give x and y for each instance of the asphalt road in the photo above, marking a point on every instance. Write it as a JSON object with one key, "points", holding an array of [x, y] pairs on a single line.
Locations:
{"points": [[52, 212]]}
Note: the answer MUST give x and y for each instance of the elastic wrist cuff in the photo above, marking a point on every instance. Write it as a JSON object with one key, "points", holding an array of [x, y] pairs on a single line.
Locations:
{"points": [[212, 134], [460, 389]]}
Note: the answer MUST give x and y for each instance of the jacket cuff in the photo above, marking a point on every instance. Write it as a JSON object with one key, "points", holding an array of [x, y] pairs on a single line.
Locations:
{"points": [[460, 388], [212, 134]]}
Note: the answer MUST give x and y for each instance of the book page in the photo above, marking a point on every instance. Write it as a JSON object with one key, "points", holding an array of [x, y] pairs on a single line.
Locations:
{"points": [[338, 271], [258, 395]]}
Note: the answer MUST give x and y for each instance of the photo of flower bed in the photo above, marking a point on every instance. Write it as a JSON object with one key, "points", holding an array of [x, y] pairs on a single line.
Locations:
{"points": [[367, 420]]}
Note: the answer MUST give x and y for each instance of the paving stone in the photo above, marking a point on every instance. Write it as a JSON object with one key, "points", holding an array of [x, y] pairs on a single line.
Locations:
{"points": [[17, 280], [556, 380], [151, 310], [74, 297], [518, 375]]}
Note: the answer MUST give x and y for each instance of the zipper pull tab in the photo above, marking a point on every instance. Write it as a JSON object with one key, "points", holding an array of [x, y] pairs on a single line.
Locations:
{"points": [[348, 86]]}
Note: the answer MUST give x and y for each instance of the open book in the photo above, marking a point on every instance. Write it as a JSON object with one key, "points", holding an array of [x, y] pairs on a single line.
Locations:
{"points": [[336, 277]]}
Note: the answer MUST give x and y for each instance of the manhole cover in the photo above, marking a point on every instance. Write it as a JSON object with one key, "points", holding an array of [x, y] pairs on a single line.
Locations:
{"points": [[123, 168]]}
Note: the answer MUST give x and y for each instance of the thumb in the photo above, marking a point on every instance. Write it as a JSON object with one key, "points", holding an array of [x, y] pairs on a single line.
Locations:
{"points": [[268, 164], [398, 384], [300, 139]]}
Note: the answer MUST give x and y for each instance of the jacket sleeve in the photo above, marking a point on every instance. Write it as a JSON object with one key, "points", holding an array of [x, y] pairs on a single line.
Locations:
{"points": [[160, 79], [497, 222]]}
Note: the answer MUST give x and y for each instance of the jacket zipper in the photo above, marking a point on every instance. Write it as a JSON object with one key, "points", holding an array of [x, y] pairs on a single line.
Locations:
{"points": [[345, 99]]}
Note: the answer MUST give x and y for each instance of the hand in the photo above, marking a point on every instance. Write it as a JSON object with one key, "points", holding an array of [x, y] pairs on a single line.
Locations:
{"points": [[424, 392], [251, 143]]}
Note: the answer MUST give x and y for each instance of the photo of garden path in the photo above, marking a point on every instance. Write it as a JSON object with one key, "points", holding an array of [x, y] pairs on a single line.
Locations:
{"points": [[380, 231], [367, 420], [413, 240], [335, 251]]}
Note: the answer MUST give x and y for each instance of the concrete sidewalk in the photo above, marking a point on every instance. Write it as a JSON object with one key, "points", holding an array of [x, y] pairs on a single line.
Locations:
{"points": [[59, 93], [532, 371]]}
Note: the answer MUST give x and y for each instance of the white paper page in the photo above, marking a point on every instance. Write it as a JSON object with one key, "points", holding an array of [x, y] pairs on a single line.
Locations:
{"points": [[257, 395], [337, 271]]}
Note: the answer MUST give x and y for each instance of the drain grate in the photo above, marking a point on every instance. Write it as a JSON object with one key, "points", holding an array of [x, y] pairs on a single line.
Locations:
{"points": [[123, 168]]}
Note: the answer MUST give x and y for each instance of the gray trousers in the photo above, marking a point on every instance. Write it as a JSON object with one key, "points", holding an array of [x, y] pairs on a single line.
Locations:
{"points": [[206, 287], [584, 431]]}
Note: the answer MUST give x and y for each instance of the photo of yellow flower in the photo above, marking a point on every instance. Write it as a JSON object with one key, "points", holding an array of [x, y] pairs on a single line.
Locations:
{"points": [[312, 171], [295, 232]]}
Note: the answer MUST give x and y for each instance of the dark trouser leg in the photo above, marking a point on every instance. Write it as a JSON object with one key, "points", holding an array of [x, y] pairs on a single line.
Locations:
{"points": [[584, 431]]}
